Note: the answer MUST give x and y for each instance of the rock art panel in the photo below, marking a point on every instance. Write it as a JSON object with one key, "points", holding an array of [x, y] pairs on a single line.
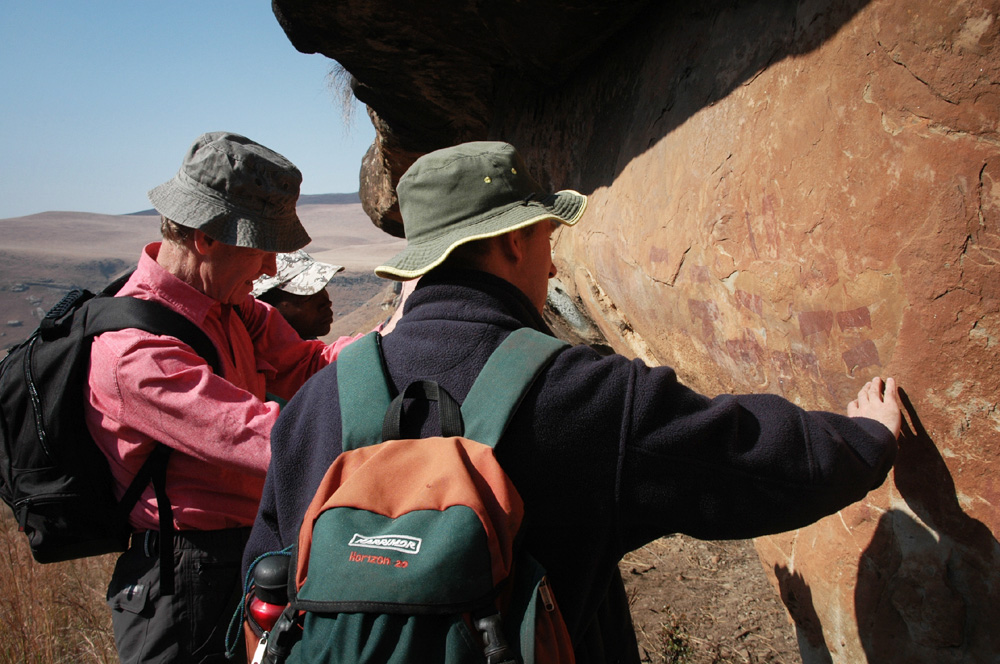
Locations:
{"points": [[785, 197]]}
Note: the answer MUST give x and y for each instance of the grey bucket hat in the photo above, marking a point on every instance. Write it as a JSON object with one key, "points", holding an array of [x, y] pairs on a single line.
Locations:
{"points": [[237, 192], [469, 192], [298, 273]]}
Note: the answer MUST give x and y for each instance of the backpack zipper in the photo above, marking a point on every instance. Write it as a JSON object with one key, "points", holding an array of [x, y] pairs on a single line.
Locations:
{"points": [[36, 402]]}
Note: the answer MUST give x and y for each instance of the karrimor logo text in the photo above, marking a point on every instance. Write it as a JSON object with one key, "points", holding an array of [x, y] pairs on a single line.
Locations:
{"points": [[401, 543]]}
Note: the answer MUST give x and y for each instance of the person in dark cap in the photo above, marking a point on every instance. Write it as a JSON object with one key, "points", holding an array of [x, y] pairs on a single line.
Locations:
{"points": [[607, 453], [225, 215], [297, 290]]}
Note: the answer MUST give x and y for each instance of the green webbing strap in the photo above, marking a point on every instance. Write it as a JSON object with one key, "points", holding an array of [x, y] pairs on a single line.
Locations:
{"points": [[503, 382], [363, 392]]}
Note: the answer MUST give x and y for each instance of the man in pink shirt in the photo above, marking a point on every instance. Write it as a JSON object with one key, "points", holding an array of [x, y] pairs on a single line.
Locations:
{"points": [[225, 215]]}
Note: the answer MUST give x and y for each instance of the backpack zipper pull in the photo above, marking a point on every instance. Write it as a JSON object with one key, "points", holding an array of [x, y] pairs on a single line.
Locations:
{"points": [[258, 653], [546, 594]]}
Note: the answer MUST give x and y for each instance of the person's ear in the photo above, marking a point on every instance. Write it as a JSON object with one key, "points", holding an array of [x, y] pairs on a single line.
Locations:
{"points": [[203, 244], [286, 308], [512, 245]]}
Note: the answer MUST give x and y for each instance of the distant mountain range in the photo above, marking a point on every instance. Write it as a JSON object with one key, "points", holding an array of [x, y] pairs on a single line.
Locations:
{"points": [[44, 255], [304, 199]]}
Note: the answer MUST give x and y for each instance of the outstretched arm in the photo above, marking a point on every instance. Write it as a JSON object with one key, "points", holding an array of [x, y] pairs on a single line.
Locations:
{"points": [[879, 402]]}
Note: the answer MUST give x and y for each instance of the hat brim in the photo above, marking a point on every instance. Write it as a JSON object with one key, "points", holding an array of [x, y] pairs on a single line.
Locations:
{"points": [[419, 258], [311, 280], [305, 281], [227, 224]]}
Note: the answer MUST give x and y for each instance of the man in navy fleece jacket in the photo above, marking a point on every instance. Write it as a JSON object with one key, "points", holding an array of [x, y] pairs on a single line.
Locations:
{"points": [[607, 453]]}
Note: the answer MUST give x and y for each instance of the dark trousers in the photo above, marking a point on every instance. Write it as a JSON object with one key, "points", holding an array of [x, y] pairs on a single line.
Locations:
{"points": [[191, 624]]}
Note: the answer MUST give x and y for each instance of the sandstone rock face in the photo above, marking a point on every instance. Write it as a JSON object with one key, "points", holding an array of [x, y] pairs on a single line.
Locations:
{"points": [[785, 197]]}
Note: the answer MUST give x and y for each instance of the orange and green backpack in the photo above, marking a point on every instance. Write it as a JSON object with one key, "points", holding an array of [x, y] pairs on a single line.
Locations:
{"points": [[410, 550]]}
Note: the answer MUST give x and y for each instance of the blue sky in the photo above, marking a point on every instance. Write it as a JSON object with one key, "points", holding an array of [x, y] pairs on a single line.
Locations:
{"points": [[100, 99]]}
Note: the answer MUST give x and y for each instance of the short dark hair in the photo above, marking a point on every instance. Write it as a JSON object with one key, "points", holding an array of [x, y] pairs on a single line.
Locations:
{"points": [[468, 255]]}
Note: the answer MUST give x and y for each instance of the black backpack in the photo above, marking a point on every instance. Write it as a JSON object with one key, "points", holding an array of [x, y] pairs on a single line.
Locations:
{"points": [[52, 474]]}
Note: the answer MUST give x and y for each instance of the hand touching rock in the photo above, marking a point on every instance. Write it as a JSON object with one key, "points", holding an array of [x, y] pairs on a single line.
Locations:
{"points": [[879, 402]]}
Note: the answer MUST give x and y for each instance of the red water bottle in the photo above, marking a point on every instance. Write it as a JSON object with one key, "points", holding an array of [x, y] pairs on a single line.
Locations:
{"points": [[264, 614], [270, 593]]}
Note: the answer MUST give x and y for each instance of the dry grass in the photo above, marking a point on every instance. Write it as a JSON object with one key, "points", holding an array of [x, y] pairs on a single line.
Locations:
{"points": [[52, 614]]}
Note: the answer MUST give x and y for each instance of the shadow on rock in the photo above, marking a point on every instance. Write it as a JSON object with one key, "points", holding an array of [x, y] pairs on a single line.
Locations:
{"points": [[797, 598], [928, 590]]}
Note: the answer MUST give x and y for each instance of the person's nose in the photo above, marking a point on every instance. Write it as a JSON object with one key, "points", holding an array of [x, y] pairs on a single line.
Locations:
{"points": [[270, 264], [552, 265]]}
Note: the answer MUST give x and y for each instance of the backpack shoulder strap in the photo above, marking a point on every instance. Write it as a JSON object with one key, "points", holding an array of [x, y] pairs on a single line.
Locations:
{"points": [[363, 391], [104, 314], [503, 382]]}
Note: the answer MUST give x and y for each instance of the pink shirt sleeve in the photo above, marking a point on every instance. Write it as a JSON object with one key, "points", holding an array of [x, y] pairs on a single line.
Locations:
{"points": [[285, 359]]}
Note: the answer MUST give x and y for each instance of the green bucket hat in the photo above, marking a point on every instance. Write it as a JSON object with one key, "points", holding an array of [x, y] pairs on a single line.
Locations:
{"points": [[237, 192], [469, 192]]}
